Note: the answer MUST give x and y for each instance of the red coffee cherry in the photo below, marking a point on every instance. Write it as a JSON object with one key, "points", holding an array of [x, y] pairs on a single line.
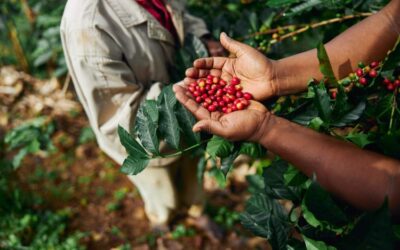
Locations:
{"points": [[363, 81], [390, 87], [247, 96], [235, 80], [359, 72], [373, 73], [374, 64]]}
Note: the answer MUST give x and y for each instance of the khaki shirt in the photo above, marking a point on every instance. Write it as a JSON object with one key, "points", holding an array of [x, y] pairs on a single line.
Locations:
{"points": [[118, 54]]}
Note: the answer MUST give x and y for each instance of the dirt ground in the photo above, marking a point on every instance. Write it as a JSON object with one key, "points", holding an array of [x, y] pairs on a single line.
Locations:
{"points": [[101, 201]]}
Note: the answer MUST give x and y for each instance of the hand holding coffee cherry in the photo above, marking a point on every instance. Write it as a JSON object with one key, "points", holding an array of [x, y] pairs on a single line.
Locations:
{"points": [[215, 94], [250, 65], [235, 126]]}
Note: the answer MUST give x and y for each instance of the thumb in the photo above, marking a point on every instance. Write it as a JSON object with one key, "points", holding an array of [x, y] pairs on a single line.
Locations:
{"points": [[231, 45], [209, 126]]}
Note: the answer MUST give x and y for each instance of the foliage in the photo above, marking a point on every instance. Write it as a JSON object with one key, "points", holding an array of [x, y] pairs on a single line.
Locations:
{"points": [[30, 138], [23, 225], [30, 35]]}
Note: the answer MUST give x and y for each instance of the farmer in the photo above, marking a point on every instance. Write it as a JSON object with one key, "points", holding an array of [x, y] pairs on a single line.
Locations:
{"points": [[360, 177], [118, 53]]}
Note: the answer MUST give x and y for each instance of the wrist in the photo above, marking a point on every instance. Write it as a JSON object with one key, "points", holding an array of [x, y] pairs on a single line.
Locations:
{"points": [[265, 129]]}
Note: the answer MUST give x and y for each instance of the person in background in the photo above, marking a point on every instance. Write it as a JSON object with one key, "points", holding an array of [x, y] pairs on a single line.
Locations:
{"points": [[360, 177], [118, 53]]}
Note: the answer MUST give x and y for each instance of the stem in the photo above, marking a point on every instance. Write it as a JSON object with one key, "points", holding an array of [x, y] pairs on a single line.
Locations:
{"points": [[183, 151], [394, 105], [323, 23], [304, 27]]}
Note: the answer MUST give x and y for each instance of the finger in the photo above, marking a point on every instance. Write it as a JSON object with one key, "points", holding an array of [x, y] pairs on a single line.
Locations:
{"points": [[188, 81], [231, 45], [209, 126], [198, 111], [201, 73], [210, 63]]}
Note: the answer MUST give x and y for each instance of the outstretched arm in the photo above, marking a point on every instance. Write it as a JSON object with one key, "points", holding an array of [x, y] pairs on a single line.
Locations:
{"points": [[367, 41], [360, 177]]}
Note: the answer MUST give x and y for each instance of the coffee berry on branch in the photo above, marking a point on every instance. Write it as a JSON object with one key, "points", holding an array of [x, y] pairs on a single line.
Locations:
{"points": [[215, 94]]}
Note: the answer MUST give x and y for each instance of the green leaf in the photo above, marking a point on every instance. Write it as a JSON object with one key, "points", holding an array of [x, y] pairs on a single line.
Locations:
{"points": [[134, 165], [280, 3], [325, 65], [152, 110], [275, 183], [373, 231], [131, 145], [360, 139], [341, 103], [293, 177], [218, 175], [168, 124], [167, 95], [227, 162], [256, 183], [219, 147], [146, 130], [186, 121], [253, 150], [323, 207], [257, 215], [201, 167], [323, 102], [351, 116], [16, 161], [316, 245], [265, 217]]}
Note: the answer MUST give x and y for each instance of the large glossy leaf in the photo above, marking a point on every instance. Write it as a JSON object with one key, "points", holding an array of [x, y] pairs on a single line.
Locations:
{"points": [[293, 177], [275, 183], [373, 231], [147, 130], [227, 162], [323, 207], [253, 150], [131, 145], [219, 147], [352, 116], [316, 245], [186, 121], [360, 139], [201, 167], [134, 165], [323, 102], [265, 217], [325, 65], [257, 215], [152, 110], [168, 124]]}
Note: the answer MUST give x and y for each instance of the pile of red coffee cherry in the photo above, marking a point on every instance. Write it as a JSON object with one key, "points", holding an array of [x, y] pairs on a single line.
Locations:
{"points": [[215, 94]]}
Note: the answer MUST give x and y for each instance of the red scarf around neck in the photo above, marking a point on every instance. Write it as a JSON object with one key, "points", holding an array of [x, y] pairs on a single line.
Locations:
{"points": [[159, 11]]}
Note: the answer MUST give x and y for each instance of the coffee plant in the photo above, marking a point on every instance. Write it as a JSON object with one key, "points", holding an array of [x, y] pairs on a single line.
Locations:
{"points": [[361, 108]]}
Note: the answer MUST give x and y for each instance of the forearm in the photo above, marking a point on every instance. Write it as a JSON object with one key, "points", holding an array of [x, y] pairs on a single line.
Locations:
{"points": [[367, 41], [359, 177]]}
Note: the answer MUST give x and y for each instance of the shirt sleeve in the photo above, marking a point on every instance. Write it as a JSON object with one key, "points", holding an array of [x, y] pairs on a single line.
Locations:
{"points": [[105, 84]]}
